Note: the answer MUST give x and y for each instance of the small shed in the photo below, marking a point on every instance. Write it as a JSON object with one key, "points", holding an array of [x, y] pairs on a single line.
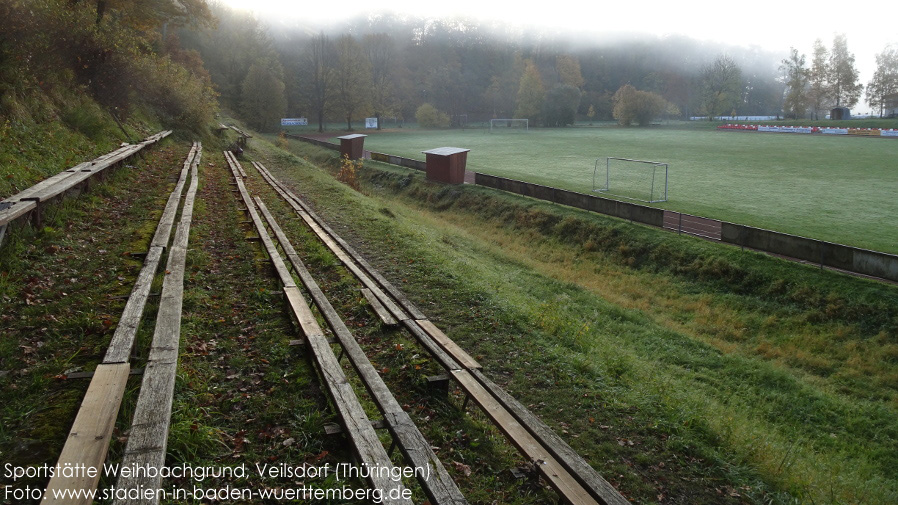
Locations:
{"points": [[840, 113], [352, 146], [447, 164]]}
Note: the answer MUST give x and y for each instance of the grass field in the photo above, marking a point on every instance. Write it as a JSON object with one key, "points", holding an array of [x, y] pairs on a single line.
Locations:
{"points": [[829, 188]]}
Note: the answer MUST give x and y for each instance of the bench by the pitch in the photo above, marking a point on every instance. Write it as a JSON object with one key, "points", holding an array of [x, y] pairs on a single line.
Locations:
{"points": [[32, 199]]}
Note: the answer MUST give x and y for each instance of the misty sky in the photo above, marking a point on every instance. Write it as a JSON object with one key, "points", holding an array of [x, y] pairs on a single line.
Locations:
{"points": [[773, 25]]}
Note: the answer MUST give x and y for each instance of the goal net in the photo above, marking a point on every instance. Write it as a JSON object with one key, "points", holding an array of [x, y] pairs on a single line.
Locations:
{"points": [[645, 181], [509, 125]]}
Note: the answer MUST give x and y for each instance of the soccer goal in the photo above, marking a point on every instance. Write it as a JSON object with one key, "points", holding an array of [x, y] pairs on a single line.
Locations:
{"points": [[509, 125], [645, 181]]}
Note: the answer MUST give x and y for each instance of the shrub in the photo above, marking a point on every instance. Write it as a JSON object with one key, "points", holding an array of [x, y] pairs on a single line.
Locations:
{"points": [[429, 117]]}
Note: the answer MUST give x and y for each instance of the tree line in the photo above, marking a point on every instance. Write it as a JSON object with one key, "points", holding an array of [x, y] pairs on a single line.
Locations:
{"points": [[461, 72], [831, 80]]}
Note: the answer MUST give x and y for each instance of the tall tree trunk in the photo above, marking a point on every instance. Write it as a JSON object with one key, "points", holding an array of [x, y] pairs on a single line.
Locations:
{"points": [[101, 10], [320, 120]]}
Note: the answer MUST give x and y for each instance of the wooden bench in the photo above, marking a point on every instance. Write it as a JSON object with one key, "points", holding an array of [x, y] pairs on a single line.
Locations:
{"points": [[31, 200], [91, 432], [440, 488], [358, 427]]}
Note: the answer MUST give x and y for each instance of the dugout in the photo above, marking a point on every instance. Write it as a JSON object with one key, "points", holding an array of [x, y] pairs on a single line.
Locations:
{"points": [[352, 146], [840, 113], [446, 164]]}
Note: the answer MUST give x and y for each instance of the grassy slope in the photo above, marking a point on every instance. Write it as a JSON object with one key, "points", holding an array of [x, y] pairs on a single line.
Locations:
{"points": [[732, 371], [834, 189]]}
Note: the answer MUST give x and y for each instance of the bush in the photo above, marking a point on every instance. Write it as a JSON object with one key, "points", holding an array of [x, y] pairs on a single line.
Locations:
{"points": [[429, 117], [641, 107]]}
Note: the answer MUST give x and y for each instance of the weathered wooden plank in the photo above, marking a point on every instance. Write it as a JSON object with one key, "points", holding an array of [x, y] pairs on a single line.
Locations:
{"points": [[122, 342], [148, 438], [555, 474], [15, 211], [600, 489], [448, 344], [443, 358], [363, 437], [379, 308], [89, 438], [301, 310], [276, 259]]}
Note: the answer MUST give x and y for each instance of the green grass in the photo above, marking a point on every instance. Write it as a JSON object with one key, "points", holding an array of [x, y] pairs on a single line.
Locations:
{"points": [[834, 189]]}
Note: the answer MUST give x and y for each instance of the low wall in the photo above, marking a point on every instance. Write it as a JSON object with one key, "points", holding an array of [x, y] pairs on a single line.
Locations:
{"points": [[843, 257], [623, 210], [317, 142], [398, 160]]}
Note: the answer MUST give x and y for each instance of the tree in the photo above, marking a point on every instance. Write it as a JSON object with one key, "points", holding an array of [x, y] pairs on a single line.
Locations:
{"points": [[796, 77], [263, 102], [152, 14], [319, 76], [721, 86], [381, 53], [885, 79], [632, 105], [818, 91], [568, 68], [429, 117], [560, 105], [843, 76], [531, 93], [352, 79]]}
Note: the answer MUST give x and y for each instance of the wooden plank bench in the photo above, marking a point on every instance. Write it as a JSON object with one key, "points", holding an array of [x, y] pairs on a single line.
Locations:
{"points": [[362, 435], [147, 443], [91, 432], [29, 200], [440, 488]]}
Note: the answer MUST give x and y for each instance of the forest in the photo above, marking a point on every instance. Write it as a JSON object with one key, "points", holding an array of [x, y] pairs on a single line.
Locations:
{"points": [[182, 60]]}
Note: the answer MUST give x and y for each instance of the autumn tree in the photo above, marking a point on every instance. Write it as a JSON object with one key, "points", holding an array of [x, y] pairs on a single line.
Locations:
{"points": [[428, 116], [632, 105], [568, 69], [352, 79], [885, 79], [153, 14], [796, 77], [721, 83], [845, 89], [531, 93], [818, 75], [264, 102]]}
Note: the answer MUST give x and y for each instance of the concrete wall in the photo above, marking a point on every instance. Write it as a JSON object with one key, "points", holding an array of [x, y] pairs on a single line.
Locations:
{"points": [[623, 210], [843, 257]]}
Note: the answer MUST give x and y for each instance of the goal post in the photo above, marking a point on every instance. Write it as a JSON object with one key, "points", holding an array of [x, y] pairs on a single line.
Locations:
{"points": [[509, 125], [641, 180]]}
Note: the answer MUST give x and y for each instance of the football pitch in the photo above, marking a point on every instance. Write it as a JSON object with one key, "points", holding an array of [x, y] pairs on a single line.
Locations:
{"points": [[839, 189]]}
